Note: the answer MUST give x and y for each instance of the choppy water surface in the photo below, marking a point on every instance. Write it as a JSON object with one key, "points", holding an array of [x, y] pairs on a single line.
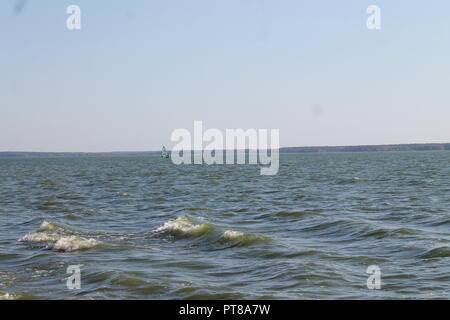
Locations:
{"points": [[143, 228]]}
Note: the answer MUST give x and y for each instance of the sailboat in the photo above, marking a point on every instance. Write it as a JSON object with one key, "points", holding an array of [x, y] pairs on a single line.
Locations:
{"points": [[164, 153]]}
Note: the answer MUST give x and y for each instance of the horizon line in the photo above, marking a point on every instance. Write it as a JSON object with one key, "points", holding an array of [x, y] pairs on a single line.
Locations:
{"points": [[280, 148]]}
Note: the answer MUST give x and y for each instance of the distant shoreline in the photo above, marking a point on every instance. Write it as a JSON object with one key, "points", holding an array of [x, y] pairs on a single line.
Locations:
{"points": [[371, 148], [357, 148]]}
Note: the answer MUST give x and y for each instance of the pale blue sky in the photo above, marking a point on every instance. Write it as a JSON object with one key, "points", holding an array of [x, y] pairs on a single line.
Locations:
{"points": [[137, 70]]}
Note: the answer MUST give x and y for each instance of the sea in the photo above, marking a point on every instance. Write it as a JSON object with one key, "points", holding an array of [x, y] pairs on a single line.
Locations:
{"points": [[372, 225]]}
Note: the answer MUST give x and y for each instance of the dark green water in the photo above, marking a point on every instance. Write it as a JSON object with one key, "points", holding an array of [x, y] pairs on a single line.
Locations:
{"points": [[143, 228]]}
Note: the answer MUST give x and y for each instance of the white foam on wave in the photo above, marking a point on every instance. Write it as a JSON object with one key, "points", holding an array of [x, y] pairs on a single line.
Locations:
{"points": [[187, 227], [50, 226], [59, 238], [243, 238], [231, 234], [8, 296], [184, 225], [39, 237], [74, 243]]}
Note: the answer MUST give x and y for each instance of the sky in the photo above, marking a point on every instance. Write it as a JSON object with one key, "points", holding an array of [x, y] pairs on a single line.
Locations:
{"points": [[138, 70]]}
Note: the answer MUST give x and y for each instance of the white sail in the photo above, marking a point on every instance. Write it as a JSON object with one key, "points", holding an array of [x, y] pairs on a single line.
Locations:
{"points": [[164, 153]]}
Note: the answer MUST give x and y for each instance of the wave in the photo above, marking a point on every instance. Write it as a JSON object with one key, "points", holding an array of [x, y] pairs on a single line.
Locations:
{"points": [[187, 227], [357, 179], [39, 237], [441, 252], [242, 238], [74, 243], [383, 232], [50, 226], [297, 213], [351, 180], [124, 194], [8, 296], [50, 203], [59, 238]]}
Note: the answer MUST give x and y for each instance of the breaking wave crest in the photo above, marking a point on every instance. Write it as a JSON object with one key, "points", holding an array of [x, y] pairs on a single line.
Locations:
{"points": [[187, 227], [59, 238], [242, 238], [8, 296]]}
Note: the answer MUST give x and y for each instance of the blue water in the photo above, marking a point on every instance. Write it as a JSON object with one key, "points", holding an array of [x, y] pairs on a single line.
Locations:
{"points": [[143, 228]]}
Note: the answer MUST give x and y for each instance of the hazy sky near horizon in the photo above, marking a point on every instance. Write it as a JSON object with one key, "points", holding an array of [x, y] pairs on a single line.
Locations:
{"points": [[137, 70]]}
